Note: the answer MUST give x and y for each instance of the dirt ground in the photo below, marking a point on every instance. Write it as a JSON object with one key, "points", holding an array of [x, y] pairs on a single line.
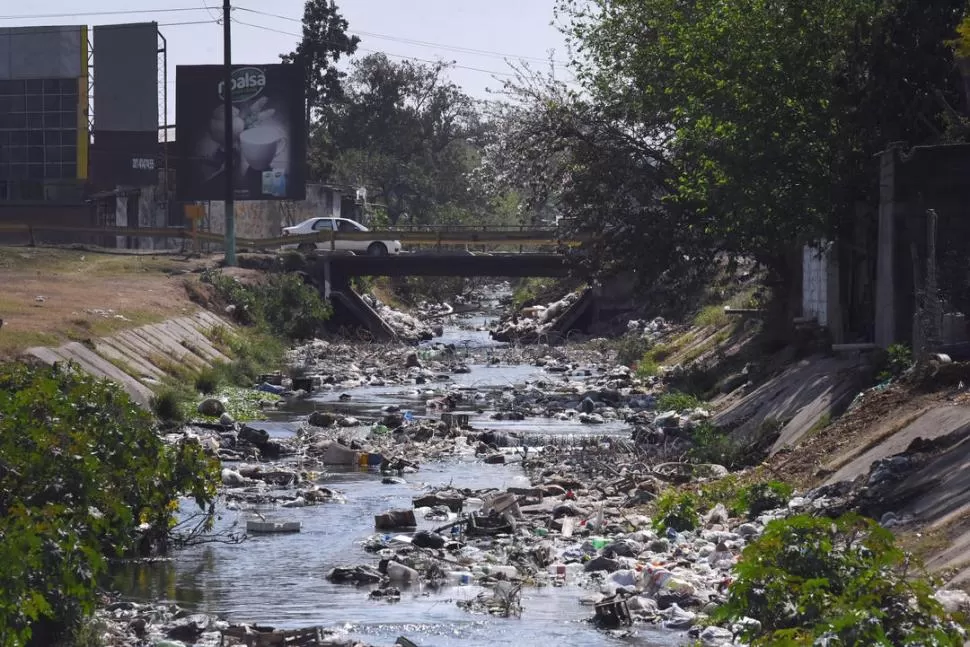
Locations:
{"points": [[50, 296]]}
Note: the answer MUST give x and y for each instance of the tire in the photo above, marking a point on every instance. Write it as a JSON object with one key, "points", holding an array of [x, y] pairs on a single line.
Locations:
{"points": [[306, 248], [377, 249]]}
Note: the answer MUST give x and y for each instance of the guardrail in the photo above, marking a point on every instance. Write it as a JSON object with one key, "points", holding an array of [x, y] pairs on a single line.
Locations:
{"points": [[437, 237]]}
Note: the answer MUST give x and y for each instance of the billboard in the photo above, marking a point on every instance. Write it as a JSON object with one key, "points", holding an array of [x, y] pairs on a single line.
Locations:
{"points": [[43, 108], [269, 132], [126, 78], [127, 158]]}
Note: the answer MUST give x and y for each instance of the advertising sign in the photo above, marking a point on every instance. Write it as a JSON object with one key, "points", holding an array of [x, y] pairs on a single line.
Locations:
{"points": [[269, 132]]}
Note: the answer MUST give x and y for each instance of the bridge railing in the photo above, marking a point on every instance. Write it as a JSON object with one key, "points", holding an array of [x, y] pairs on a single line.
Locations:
{"points": [[438, 236]]}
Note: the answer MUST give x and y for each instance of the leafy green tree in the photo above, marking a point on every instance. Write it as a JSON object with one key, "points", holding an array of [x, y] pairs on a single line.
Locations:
{"points": [[412, 137], [325, 41], [810, 581], [84, 477]]}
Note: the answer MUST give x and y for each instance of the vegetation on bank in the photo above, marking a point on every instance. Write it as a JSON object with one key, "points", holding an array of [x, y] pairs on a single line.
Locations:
{"points": [[84, 477]]}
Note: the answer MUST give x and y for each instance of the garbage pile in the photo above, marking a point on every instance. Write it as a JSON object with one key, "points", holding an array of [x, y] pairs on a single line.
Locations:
{"points": [[533, 322], [131, 624], [405, 326]]}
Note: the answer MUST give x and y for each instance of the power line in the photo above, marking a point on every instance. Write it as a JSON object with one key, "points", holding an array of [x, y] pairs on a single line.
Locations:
{"points": [[377, 51], [118, 12], [208, 11], [420, 43]]}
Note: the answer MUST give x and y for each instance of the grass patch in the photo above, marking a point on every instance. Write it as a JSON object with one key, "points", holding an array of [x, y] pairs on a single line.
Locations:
{"points": [[167, 406], [243, 404], [14, 342], [712, 316], [677, 401]]}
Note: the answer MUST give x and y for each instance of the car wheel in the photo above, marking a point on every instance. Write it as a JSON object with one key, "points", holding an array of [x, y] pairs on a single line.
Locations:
{"points": [[377, 249], [306, 248]]}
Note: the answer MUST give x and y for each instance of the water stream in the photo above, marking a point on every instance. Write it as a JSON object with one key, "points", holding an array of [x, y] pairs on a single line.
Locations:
{"points": [[280, 580]]}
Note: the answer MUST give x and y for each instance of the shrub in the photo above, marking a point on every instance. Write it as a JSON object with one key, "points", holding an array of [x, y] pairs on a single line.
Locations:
{"points": [[646, 367], [166, 406], [836, 582], [677, 401], [283, 304], [713, 316], [761, 497], [896, 361], [631, 348], [84, 476], [208, 380], [711, 445], [676, 511]]}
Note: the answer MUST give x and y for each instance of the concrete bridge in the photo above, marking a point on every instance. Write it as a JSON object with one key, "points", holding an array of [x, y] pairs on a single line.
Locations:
{"points": [[334, 272]]}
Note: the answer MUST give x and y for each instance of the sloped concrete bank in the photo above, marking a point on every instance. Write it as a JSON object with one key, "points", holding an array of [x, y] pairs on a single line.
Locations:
{"points": [[140, 358]]}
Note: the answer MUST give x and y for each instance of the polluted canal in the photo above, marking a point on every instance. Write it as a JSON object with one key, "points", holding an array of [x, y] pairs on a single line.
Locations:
{"points": [[482, 410]]}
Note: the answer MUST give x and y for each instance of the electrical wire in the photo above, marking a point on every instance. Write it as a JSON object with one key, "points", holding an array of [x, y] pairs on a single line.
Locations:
{"points": [[117, 12], [420, 43], [377, 51]]}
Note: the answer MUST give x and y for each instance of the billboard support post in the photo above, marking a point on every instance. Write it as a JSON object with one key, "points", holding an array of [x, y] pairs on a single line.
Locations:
{"points": [[229, 147]]}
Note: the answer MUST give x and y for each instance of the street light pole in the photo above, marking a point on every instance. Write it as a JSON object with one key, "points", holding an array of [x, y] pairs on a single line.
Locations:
{"points": [[229, 146]]}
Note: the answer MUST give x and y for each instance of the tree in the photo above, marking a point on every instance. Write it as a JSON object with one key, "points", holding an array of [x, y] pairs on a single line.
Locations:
{"points": [[568, 155], [410, 134], [769, 112], [325, 40]]}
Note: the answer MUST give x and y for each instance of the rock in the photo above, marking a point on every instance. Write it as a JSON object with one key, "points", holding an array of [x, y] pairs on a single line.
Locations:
{"points": [[718, 514], [495, 459], [189, 628], [354, 575], [233, 479], [452, 499], [953, 601], [138, 626], [587, 405], [226, 420], [349, 421], [659, 546], [748, 530], [253, 436], [623, 548], [412, 361], [716, 637], [212, 407], [321, 419], [591, 419]]}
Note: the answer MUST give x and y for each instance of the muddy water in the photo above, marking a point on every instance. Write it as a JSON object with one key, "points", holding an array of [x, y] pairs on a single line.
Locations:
{"points": [[280, 580]]}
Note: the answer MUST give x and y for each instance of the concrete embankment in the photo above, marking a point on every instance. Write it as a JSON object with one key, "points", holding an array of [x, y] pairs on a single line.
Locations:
{"points": [[139, 359]]}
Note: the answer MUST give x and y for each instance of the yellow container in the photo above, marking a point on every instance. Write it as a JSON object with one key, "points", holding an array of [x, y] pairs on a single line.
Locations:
{"points": [[363, 459]]}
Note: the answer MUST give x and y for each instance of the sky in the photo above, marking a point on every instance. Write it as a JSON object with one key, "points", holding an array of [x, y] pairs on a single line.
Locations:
{"points": [[447, 30]]}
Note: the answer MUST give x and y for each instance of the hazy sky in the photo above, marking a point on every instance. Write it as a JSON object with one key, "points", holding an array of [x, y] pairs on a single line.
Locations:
{"points": [[447, 29]]}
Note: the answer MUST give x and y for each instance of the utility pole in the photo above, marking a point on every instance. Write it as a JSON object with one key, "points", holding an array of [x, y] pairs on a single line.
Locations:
{"points": [[229, 146]]}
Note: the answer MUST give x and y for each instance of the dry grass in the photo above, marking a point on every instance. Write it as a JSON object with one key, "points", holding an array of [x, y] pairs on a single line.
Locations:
{"points": [[51, 296]]}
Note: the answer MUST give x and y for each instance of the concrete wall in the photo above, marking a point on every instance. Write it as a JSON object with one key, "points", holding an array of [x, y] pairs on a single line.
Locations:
{"points": [[265, 218]]}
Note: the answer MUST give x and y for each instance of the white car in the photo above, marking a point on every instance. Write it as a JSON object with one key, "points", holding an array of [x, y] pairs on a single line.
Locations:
{"points": [[323, 225]]}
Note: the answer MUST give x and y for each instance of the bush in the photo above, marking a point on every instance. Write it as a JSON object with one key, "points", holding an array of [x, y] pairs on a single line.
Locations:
{"points": [[283, 304], [166, 406], [208, 380], [761, 497], [630, 348], [711, 445], [84, 476], [835, 582], [677, 401], [676, 511], [897, 359]]}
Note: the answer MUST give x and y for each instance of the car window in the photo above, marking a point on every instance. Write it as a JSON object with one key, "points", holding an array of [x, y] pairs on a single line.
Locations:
{"points": [[346, 225], [324, 224]]}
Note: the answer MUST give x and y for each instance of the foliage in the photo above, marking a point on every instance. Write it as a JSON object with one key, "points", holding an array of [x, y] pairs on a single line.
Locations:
{"points": [[243, 404], [723, 490], [838, 582], [282, 304], [755, 499], [677, 401], [411, 136], [647, 367], [676, 511], [712, 445], [765, 114], [961, 44], [897, 360], [713, 316], [83, 477], [165, 406], [630, 349], [207, 381], [325, 40]]}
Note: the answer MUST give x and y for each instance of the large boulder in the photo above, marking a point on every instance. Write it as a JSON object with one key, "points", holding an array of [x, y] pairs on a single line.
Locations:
{"points": [[212, 407]]}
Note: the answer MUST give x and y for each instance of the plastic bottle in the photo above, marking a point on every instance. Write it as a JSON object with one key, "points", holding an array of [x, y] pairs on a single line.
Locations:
{"points": [[461, 578]]}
